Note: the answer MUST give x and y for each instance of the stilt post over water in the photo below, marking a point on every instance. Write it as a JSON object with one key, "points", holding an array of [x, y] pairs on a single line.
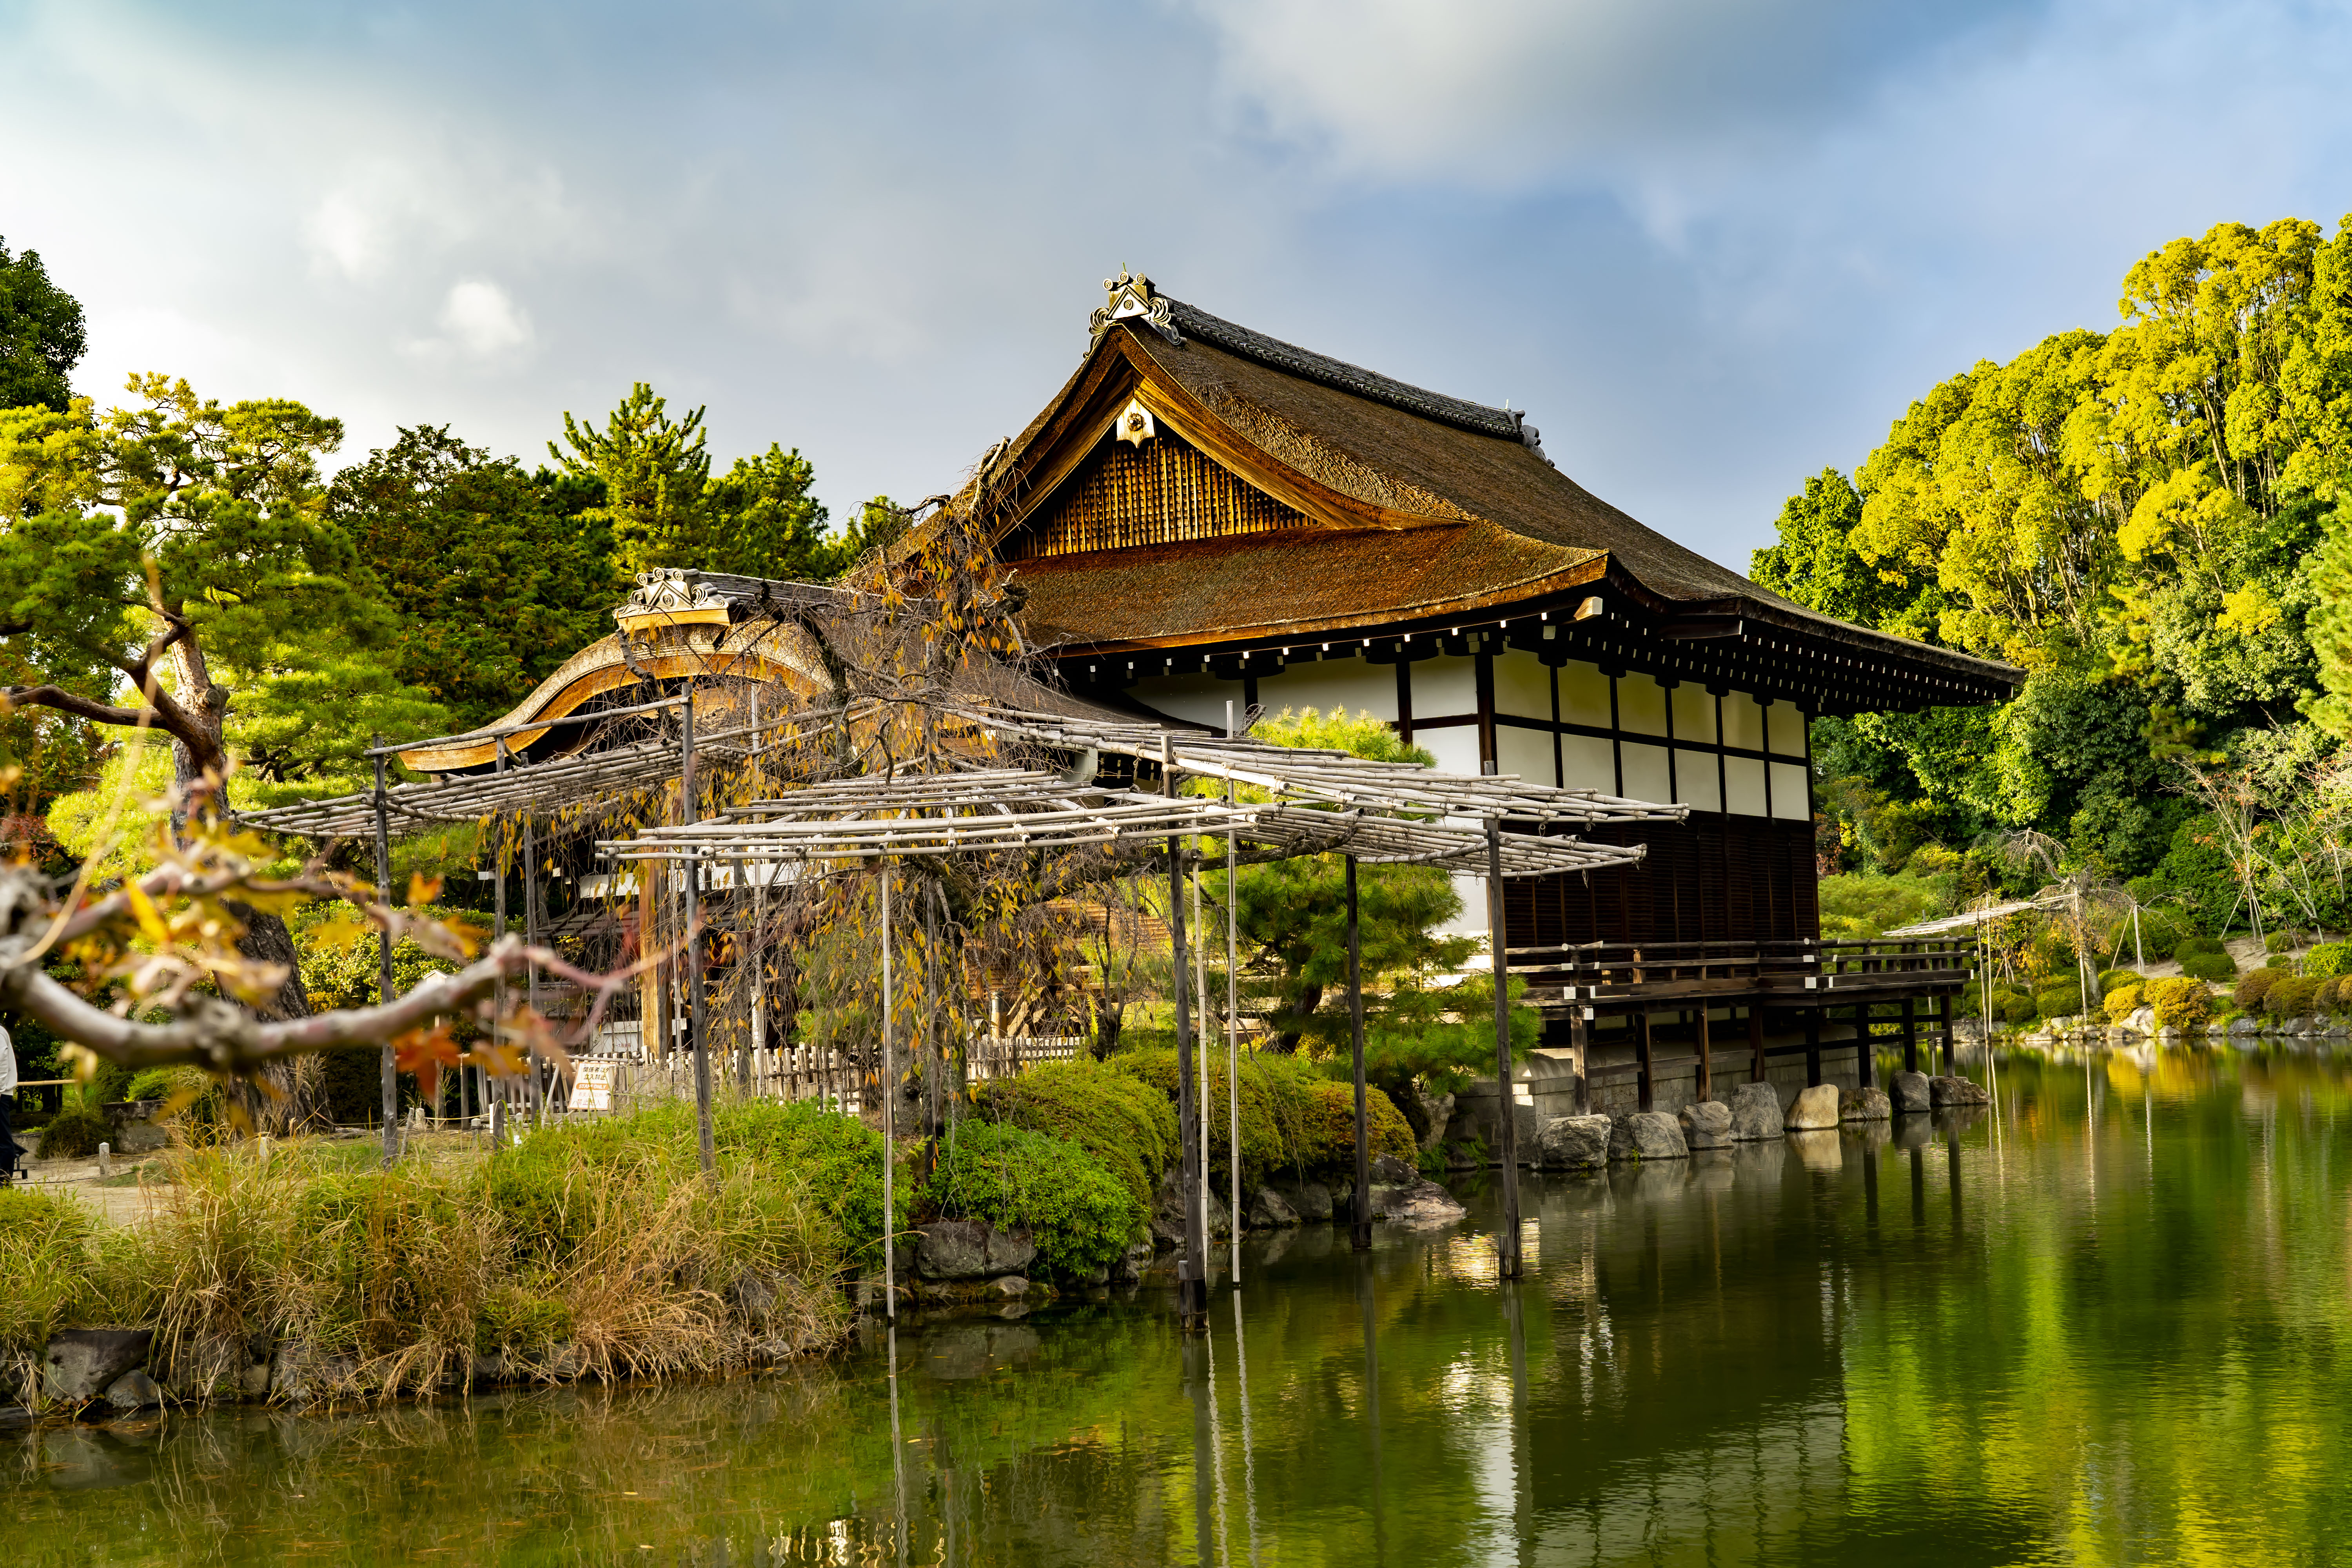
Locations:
{"points": [[390, 1068], [1360, 1208], [888, 1087], [689, 810], [530, 935], [1233, 1032], [1192, 1269], [1506, 1244]]}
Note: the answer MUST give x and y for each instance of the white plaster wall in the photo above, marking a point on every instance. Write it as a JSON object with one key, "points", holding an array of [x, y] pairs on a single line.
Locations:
{"points": [[1522, 685], [1455, 747], [1694, 713], [1787, 728], [1348, 683], [1443, 686], [1743, 726], [1198, 698], [1583, 695], [1526, 752], [1646, 773], [1695, 783], [1588, 762], [1788, 791], [1743, 780], [1641, 708]]}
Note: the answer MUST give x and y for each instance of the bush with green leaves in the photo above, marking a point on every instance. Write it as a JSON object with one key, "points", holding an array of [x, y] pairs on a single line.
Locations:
{"points": [[2334, 993], [1080, 1216], [1127, 1125], [2114, 980], [2161, 932], [2280, 941], [2254, 986], [2328, 958], [2218, 967], [1297, 1121], [2123, 1002], [1857, 905], [46, 1260], [2060, 998], [75, 1133], [2290, 997], [2181, 1004], [2194, 944]]}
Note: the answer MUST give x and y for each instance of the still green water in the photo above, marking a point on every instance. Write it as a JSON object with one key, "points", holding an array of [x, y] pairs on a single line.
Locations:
{"points": [[2107, 1324]]}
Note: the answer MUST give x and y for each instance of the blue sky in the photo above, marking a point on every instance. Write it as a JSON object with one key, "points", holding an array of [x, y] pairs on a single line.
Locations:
{"points": [[1711, 245]]}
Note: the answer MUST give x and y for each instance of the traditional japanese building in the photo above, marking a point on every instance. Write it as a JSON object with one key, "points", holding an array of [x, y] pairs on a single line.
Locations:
{"points": [[1206, 515]]}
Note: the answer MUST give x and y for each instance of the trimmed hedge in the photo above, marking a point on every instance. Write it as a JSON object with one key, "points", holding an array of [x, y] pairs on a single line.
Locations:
{"points": [[74, 1133], [2181, 1004], [1295, 1121], [2123, 1002], [2292, 998], [1079, 1214], [2217, 967], [2254, 986], [2328, 959], [1123, 1122], [2114, 980]]}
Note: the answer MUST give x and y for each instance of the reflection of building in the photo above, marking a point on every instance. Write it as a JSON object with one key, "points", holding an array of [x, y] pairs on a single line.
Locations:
{"points": [[1209, 515]]}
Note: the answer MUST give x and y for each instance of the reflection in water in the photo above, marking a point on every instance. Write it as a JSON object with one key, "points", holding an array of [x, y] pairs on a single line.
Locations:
{"points": [[2120, 1340]]}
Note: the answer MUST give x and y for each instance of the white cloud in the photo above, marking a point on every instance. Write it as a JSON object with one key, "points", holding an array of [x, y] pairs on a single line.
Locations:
{"points": [[478, 321]]}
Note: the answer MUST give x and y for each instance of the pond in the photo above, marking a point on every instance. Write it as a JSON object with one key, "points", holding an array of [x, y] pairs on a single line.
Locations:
{"points": [[2107, 1324]]}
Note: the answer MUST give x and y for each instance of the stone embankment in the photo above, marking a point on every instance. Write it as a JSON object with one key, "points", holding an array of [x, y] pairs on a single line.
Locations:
{"points": [[1756, 1113]]}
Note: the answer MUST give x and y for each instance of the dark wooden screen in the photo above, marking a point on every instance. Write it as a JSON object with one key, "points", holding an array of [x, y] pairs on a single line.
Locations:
{"points": [[1164, 491], [1712, 878]]}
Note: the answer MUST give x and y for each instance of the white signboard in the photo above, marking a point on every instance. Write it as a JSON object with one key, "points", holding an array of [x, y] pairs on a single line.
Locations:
{"points": [[591, 1085]]}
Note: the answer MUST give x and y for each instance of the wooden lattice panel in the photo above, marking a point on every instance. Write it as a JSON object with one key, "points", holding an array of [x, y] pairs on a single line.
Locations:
{"points": [[1159, 493]]}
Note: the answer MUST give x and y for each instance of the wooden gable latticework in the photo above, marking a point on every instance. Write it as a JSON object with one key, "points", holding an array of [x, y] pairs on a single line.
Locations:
{"points": [[1161, 491]]}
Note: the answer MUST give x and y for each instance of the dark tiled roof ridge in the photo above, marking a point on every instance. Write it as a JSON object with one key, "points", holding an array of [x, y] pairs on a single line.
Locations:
{"points": [[1341, 376]]}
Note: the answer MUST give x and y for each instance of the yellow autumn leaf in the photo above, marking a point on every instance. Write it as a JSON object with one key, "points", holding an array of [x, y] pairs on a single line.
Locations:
{"points": [[144, 910]]}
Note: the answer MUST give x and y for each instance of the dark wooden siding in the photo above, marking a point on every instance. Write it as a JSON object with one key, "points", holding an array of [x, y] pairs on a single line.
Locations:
{"points": [[1712, 878]]}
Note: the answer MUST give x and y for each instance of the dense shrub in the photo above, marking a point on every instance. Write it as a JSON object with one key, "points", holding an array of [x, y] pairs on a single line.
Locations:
{"points": [[2329, 958], [1127, 1125], [2254, 986], [2290, 997], [2335, 992], [74, 1133], [2280, 941], [2181, 1004], [1079, 1214], [2217, 967], [1297, 1120], [2017, 1007], [1856, 905], [2198, 945], [2114, 980], [2123, 1002], [2059, 998]]}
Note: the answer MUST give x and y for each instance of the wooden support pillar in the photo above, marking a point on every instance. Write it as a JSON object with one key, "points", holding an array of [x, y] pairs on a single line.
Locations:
{"points": [[1641, 1045], [1812, 1047], [1756, 1040], [1360, 1208], [1910, 1035], [1706, 1061], [1944, 1008], [1506, 1248], [1579, 1045], [1864, 1068]]}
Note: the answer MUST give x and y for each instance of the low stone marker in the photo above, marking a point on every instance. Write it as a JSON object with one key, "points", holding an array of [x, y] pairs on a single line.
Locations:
{"points": [[1866, 1105], [1755, 1112], [1958, 1091], [1574, 1143], [1910, 1090], [1706, 1124]]}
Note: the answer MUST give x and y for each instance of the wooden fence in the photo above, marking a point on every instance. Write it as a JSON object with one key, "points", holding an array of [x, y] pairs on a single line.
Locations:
{"points": [[795, 1072]]}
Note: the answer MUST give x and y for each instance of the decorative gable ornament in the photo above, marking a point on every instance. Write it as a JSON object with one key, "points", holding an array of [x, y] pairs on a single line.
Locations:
{"points": [[670, 596], [1135, 426], [1132, 296]]}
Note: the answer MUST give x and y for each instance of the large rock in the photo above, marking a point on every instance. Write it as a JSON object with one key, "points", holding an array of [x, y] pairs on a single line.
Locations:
{"points": [[2245, 1024], [1418, 1202], [1813, 1110], [1866, 1105], [1817, 1150], [1269, 1210], [953, 1249], [1010, 1251], [1956, 1091], [1755, 1112], [1574, 1143], [1313, 1201], [81, 1363], [1909, 1091], [1653, 1135], [1706, 1124], [134, 1390]]}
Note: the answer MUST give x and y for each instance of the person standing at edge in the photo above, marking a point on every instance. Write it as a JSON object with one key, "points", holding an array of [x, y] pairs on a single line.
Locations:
{"points": [[8, 1170]]}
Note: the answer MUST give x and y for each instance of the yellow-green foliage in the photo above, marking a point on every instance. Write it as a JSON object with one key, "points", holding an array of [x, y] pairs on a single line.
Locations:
{"points": [[2123, 1002], [1080, 1216], [1124, 1123], [45, 1263], [1295, 1121], [2181, 1004], [1856, 906]]}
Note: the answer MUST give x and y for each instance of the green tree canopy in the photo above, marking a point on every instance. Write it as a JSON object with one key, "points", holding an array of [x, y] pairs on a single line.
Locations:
{"points": [[2147, 519], [494, 576], [41, 334], [180, 549]]}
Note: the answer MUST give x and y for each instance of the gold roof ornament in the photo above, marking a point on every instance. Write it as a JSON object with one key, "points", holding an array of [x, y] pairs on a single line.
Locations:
{"points": [[1132, 297]]}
